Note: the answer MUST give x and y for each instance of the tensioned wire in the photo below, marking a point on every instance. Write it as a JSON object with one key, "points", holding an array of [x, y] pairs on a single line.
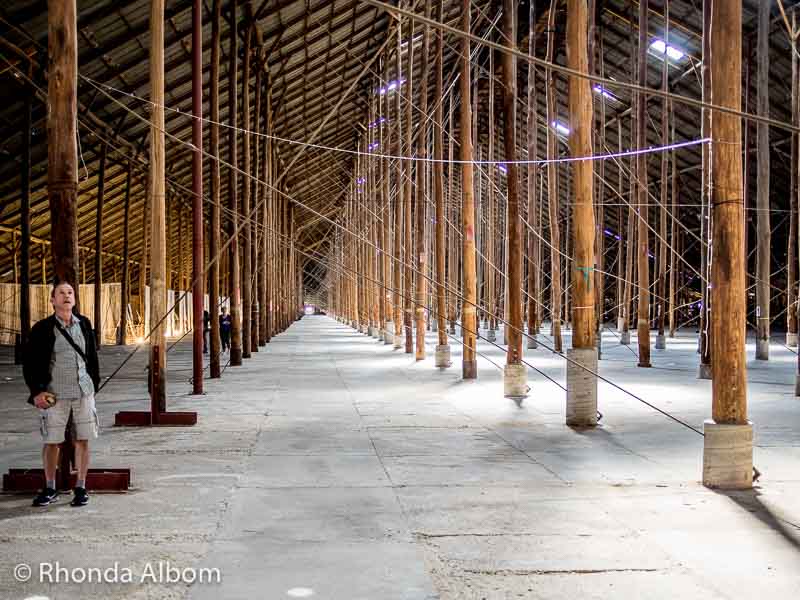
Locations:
{"points": [[597, 375], [568, 159], [322, 216], [278, 191], [406, 177], [612, 83], [340, 267], [414, 158]]}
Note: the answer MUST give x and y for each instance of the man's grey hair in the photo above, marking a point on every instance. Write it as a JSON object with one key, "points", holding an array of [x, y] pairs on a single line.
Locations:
{"points": [[57, 285]]}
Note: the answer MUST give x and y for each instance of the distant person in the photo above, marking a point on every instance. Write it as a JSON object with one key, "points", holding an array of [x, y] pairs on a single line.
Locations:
{"points": [[225, 324], [206, 330], [62, 372]]}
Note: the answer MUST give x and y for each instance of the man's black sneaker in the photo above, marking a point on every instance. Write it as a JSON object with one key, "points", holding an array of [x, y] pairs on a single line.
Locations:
{"points": [[79, 497], [45, 497]]}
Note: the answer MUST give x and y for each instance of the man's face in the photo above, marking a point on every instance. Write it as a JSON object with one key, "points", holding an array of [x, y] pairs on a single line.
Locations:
{"points": [[63, 298]]}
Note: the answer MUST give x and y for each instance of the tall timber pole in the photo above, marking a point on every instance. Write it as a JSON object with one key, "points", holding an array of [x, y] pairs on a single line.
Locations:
{"points": [[408, 170], [420, 203], [247, 254], [197, 197], [533, 175], [397, 276], [235, 275], [62, 135], [552, 189], [469, 365], [214, 225], [643, 249], [763, 239], [442, 357], [515, 375], [728, 441], [158, 259], [581, 381]]}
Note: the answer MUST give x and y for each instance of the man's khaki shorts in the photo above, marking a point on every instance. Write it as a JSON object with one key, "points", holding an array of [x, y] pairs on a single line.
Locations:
{"points": [[53, 420]]}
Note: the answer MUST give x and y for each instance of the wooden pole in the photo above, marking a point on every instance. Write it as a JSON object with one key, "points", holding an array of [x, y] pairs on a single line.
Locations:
{"points": [[269, 225], [643, 245], [552, 186], [247, 270], [532, 127], [214, 224], [728, 449], [408, 224], [764, 235], [197, 198], [673, 237], [384, 264], [491, 204], [469, 365], [704, 369], [661, 342], [25, 229], [235, 292], [419, 198], [581, 384], [62, 149], [98, 249], [158, 268], [596, 53], [145, 256], [265, 174], [259, 263], [515, 373], [398, 204], [791, 253], [452, 255], [122, 332], [442, 357]]}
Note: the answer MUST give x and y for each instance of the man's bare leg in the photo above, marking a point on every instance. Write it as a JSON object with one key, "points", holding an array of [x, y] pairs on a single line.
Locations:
{"points": [[50, 460], [79, 496], [82, 459]]}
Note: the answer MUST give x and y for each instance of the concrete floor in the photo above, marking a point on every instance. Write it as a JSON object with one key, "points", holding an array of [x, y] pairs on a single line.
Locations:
{"points": [[332, 467]]}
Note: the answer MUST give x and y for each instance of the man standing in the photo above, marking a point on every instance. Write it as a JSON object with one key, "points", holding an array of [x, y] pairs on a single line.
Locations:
{"points": [[62, 372], [225, 323], [206, 330]]}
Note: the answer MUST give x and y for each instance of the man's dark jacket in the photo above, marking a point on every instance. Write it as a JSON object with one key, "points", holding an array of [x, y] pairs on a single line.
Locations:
{"points": [[39, 350]]}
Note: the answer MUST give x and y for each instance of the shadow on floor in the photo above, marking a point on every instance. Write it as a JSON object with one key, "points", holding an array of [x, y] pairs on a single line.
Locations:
{"points": [[751, 502]]}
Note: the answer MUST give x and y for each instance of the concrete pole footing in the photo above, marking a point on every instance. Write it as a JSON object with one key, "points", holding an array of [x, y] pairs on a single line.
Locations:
{"points": [[762, 349], [398, 342], [515, 381], [728, 455], [625, 338], [582, 387], [442, 358], [388, 335], [532, 343], [491, 335], [661, 342], [620, 324], [791, 340], [703, 371]]}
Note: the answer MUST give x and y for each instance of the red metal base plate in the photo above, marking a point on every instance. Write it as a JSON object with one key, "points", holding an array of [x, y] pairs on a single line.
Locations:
{"points": [[98, 480], [135, 418]]}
